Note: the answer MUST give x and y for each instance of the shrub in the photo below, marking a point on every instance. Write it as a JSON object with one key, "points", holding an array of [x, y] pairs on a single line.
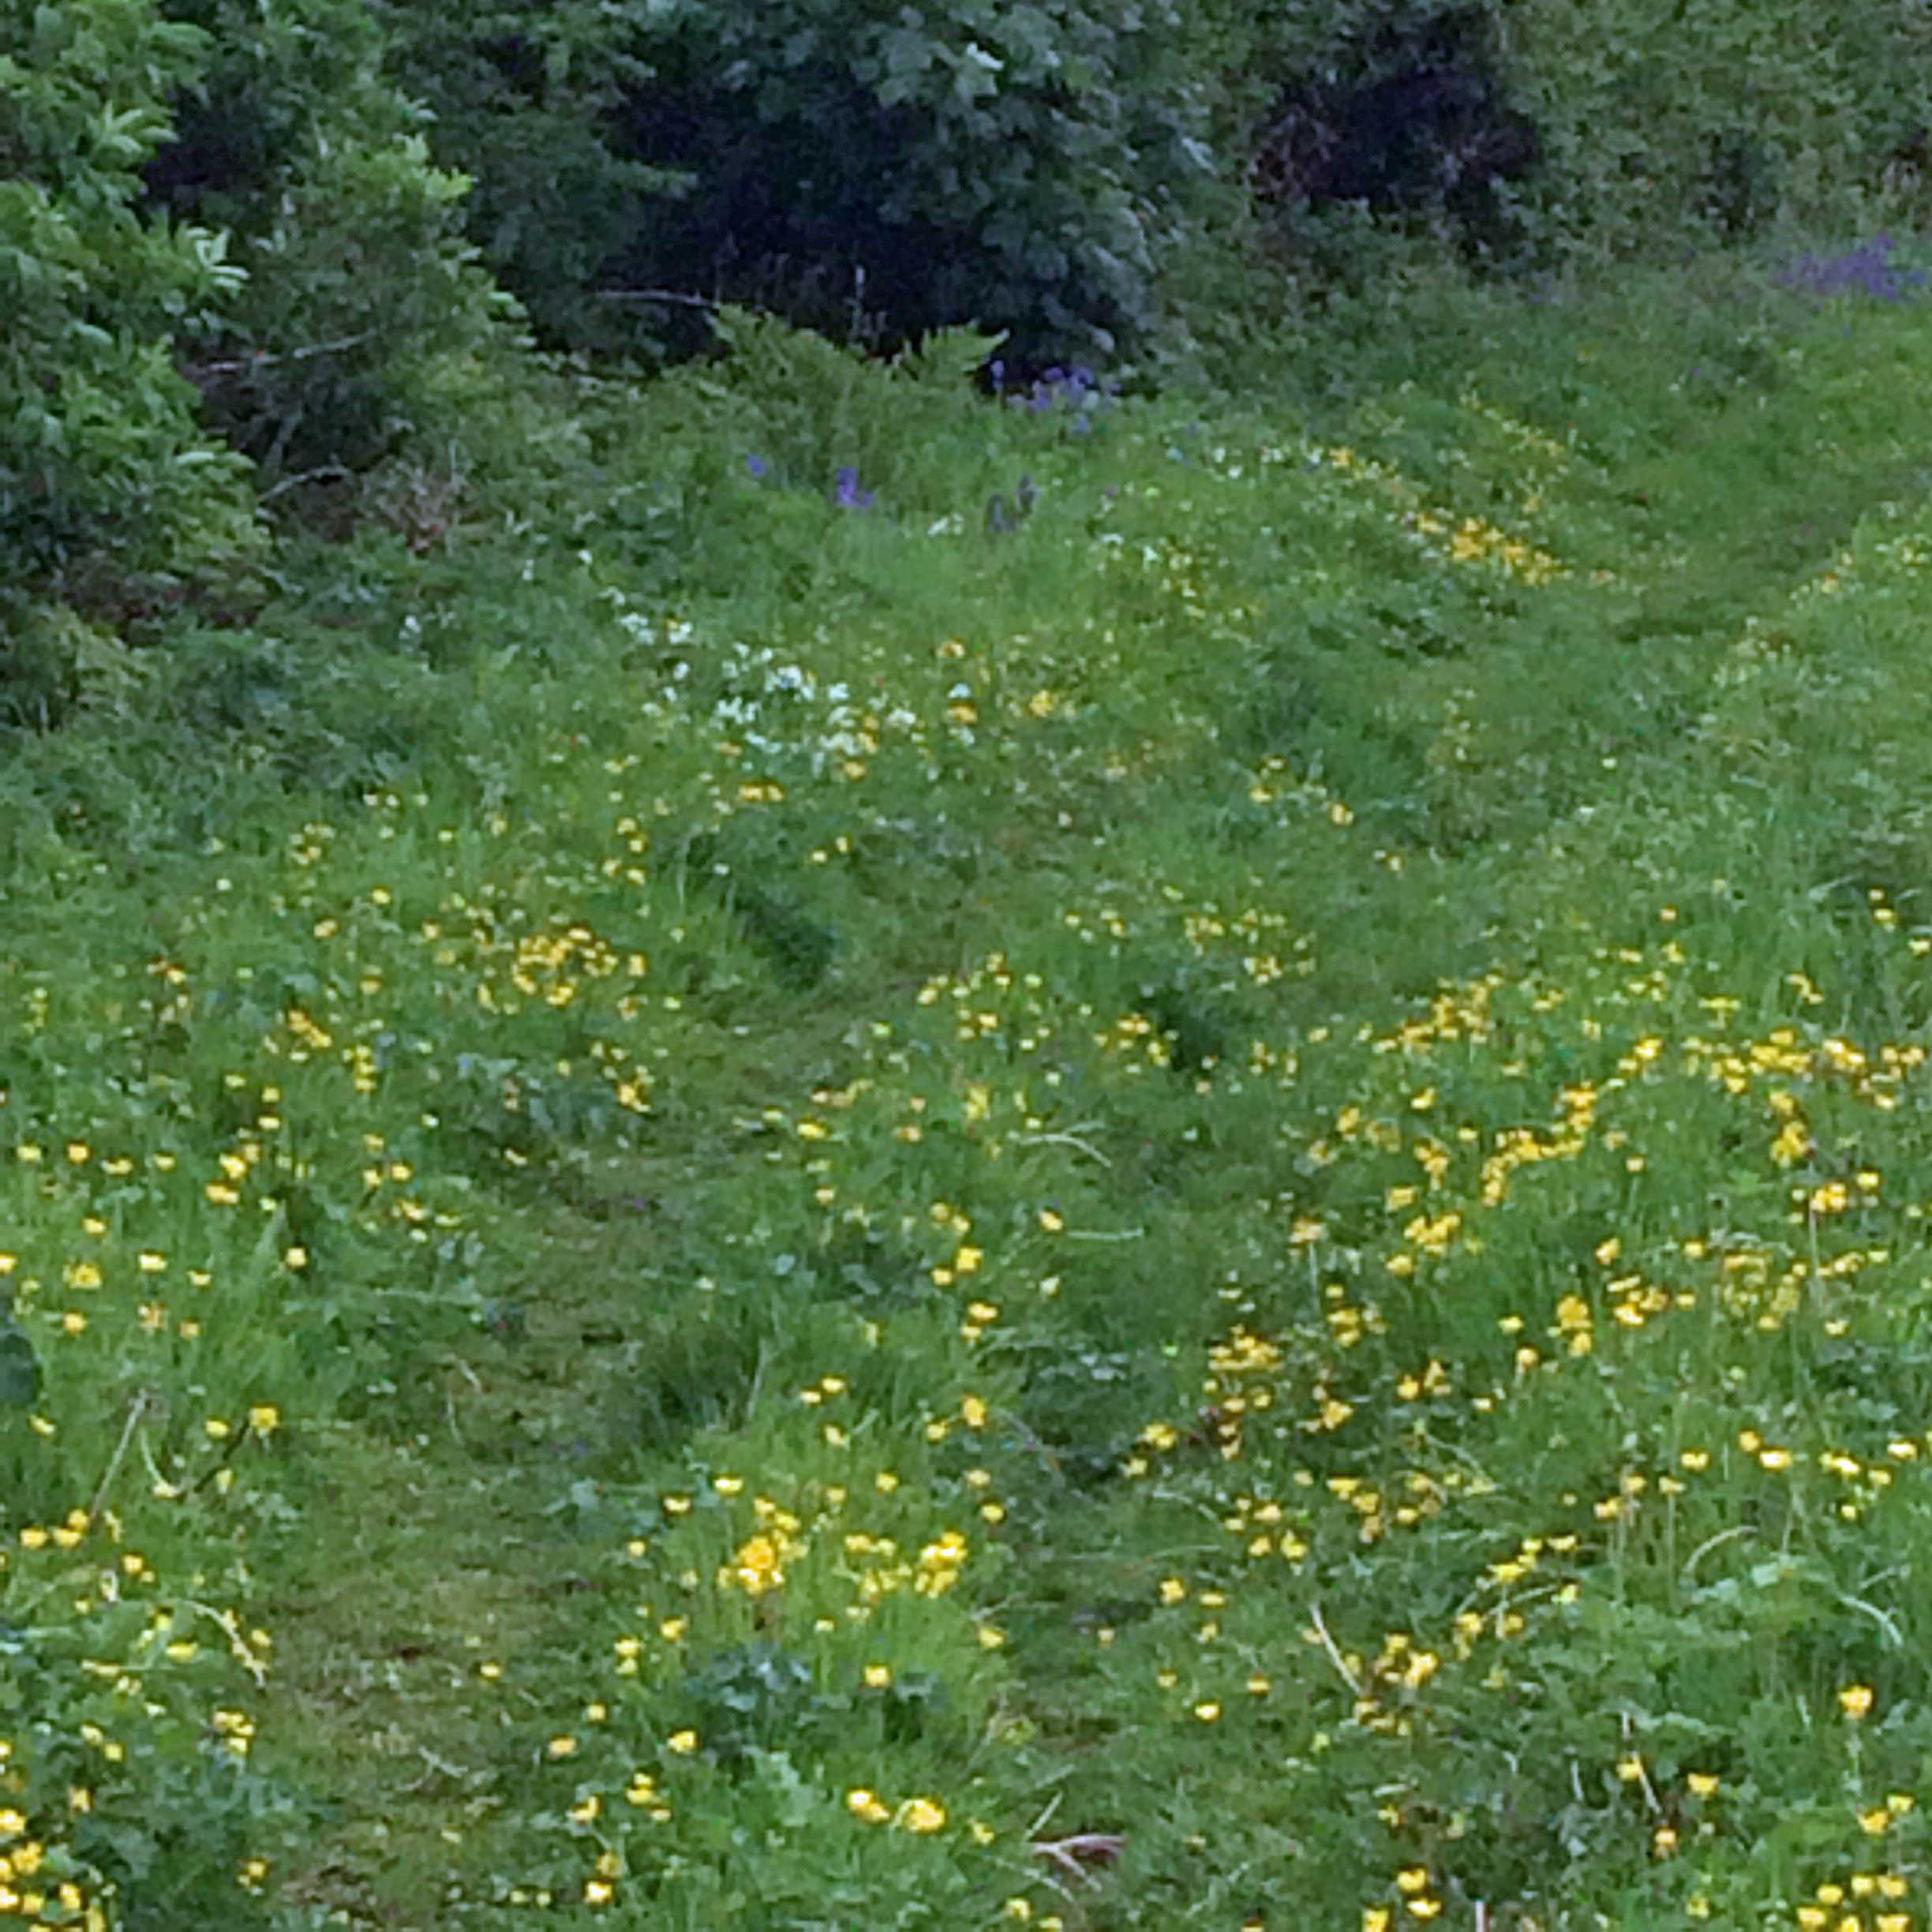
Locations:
{"points": [[1023, 168], [527, 101], [1749, 121], [1486, 126], [359, 277], [105, 476]]}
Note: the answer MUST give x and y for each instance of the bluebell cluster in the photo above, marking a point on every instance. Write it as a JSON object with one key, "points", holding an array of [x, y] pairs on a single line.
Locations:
{"points": [[1078, 388], [1866, 271], [849, 496], [846, 492]]}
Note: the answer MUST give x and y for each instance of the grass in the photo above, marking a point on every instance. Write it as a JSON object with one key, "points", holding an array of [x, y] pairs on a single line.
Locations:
{"points": [[1202, 1206]]}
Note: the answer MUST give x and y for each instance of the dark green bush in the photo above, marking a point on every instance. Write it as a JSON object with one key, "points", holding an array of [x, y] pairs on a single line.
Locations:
{"points": [[359, 277], [221, 240], [1081, 177], [526, 100], [1023, 168], [862, 168], [103, 470], [1546, 129]]}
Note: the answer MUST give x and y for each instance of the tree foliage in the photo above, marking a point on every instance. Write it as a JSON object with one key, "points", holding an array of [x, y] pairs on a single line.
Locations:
{"points": [[867, 167], [1569, 132], [100, 452], [288, 236], [1023, 166], [294, 141], [527, 103]]}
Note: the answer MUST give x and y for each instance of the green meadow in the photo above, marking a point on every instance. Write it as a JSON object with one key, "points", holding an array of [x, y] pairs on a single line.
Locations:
{"points": [[823, 1153]]}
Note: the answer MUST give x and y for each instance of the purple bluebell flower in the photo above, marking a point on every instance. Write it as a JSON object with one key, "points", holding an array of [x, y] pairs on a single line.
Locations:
{"points": [[1078, 387], [997, 369], [850, 496], [1867, 270], [757, 465]]}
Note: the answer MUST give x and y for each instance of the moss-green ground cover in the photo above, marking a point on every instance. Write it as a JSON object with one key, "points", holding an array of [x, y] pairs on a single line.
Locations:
{"points": [[1201, 1203]]}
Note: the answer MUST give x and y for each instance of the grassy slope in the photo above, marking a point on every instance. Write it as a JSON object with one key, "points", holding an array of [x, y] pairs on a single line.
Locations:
{"points": [[778, 1283]]}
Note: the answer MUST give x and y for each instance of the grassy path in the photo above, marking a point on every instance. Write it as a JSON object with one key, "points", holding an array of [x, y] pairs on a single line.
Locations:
{"points": [[878, 1275], [422, 1560], [487, 1552]]}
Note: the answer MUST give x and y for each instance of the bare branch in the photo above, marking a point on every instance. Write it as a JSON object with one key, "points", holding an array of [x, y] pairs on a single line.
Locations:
{"points": [[329, 472], [262, 359], [656, 295]]}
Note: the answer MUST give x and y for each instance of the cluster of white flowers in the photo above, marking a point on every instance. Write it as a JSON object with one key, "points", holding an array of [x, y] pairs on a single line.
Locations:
{"points": [[762, 699]]}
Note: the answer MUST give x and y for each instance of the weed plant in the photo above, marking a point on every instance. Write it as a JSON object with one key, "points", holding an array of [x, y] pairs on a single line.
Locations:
{"points": [[733, 1195]]}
